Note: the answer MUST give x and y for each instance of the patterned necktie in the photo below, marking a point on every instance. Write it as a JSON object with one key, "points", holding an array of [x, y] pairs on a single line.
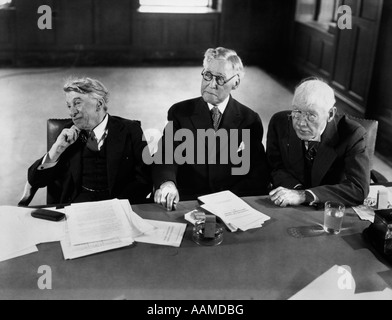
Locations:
{"points": [[92, 143], [216, 117]]}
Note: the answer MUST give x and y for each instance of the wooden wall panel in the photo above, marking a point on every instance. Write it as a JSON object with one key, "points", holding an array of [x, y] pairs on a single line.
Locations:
{"points": [[362, 66], [29, 36], [355, 54], [177, 32], [76, 23], [314, 50], [175, 35], [204, 32], [370, 9], [113, 26], [7, 28]]}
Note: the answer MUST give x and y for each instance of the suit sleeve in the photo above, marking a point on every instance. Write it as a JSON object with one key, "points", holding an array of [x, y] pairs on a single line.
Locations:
{"points": [[280, 176], [163, 170], [257, 181], [354, 187], [138, 189], [42, 178]]}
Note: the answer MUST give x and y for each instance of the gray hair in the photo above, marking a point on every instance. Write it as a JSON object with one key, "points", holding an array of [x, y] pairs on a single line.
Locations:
{"points": [[91, 87], [314, 91], [225, 54]]}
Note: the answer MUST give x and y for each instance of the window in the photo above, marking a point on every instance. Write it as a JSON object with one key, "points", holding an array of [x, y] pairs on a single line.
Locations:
{"points": [[319, 11], [176, 6], [5, 3]]}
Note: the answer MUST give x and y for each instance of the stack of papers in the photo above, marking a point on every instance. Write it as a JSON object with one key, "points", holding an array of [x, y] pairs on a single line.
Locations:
{"points": [[366, 211], [89, 228], [106, 225], [233, 211]]}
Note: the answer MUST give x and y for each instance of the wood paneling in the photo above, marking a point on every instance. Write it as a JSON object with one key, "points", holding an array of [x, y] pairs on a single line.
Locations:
{"points": [[355, 51], [314, 50], [175, 35], [7, 27], [113, 26], [29, 36], [7, 36], [75, 27]]}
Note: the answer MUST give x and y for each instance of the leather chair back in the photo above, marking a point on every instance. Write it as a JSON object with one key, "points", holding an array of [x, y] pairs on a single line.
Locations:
{"points": [[54, 128], [371, 127]]}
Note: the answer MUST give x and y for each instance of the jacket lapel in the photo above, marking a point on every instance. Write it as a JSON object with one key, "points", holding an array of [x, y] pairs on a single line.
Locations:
{"points": [[201, 117], [231, 118], [295, 152], [326, 153], [115, 143]]}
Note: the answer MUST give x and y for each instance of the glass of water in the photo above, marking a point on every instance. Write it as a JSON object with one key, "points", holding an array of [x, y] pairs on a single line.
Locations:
{"points": [[333, 217]]}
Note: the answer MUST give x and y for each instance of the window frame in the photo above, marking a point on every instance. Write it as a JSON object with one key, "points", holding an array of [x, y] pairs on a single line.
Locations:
{"points": [[213, 6]]}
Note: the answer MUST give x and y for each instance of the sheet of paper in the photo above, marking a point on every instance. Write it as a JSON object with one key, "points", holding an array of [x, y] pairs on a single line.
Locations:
{"points": [[14, 234], [371, 199], [365, 213], [165, 233], [335, 284], [24, 252], [234, 212], [77, 251], [97, 221], [338, 284], [43, 231], [137, 224]]}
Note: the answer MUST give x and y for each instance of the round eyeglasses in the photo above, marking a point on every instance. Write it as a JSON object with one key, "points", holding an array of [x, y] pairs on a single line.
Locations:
{"points": [[220, 80], [308, 116]]}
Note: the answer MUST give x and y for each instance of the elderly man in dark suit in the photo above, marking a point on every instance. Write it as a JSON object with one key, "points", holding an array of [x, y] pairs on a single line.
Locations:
{"points": [[216, 111], [97, 156], [317, 155]]}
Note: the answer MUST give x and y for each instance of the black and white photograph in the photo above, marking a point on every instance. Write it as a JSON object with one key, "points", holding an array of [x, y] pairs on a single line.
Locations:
{"points": [[196, 156]]}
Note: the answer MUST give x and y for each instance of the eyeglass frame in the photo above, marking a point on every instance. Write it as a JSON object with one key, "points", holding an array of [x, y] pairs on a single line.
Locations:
{"points": [[297, 114], [216, 78]]}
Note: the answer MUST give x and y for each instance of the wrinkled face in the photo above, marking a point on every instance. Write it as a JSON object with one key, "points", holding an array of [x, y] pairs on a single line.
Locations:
{"points": [[310, 121], [84, 110], [212, 92]]}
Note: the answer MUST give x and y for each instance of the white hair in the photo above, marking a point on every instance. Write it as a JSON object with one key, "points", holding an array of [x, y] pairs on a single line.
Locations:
{"points": [[229, 55], [314, 92]]}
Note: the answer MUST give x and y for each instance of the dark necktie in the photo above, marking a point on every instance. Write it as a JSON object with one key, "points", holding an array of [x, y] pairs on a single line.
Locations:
{"points": [[92, 143], [311, 152], [216, 117]]}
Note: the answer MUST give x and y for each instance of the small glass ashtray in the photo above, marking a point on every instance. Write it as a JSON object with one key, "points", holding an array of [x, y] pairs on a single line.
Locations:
{"points": [[200, 239]]}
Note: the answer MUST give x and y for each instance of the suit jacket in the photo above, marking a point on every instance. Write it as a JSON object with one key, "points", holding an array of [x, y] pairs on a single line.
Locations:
{"points": [[128, 176], [340, 169], [193, 180]]}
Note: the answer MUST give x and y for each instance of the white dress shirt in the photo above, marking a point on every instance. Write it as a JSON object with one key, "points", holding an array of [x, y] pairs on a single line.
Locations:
{"points": [[100, 131]]}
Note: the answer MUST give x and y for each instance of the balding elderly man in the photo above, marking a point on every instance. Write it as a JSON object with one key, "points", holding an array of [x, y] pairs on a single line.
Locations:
{"points": [[317, 155], [97, 156]]}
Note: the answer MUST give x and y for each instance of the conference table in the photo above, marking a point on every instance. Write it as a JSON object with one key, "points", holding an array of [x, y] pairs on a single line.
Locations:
{"points": [[273, 262]]}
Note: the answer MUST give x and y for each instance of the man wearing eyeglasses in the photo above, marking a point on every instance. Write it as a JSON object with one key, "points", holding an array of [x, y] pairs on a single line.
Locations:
{"points": [[214, 110], [315, 154]]}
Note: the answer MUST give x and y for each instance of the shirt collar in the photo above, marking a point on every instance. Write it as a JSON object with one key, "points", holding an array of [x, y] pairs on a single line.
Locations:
{"points": [[222, 107], [100, 129]]}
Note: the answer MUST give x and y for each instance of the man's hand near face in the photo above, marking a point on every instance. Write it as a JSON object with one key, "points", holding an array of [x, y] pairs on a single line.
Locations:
{"points": [[67, 138]]}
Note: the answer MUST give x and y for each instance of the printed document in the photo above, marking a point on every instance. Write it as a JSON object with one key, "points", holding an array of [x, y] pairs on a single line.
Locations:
{"points": [[97, 221], [233, 211], [165, 233]]}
